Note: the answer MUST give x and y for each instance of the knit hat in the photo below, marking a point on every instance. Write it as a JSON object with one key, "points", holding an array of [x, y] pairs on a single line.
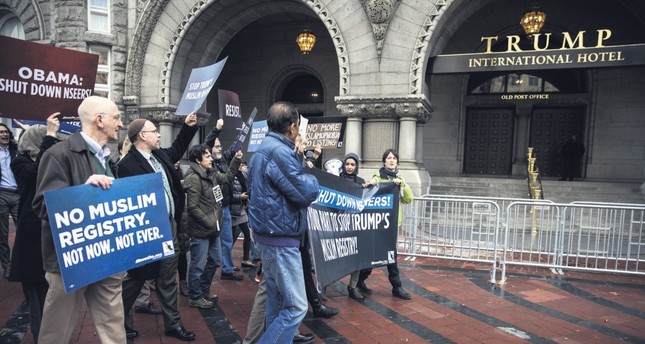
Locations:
{"points": [[135, 128]]}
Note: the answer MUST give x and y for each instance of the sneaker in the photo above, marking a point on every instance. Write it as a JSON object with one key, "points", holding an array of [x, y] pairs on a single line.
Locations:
{"points": [[257, 278], [210, 297], [248, 264], [231, 276], [183, 288], [200, 303]]}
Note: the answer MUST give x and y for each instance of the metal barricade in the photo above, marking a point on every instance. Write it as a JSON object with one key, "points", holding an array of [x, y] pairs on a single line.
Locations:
{"points": [[592, 236], [462, 229], [576, 236]]}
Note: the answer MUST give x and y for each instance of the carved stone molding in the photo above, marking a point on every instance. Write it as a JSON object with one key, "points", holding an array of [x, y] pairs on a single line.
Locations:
{"points": [[421, 46], [145, 26], [164, 113], [379, 13], [415, 106]]}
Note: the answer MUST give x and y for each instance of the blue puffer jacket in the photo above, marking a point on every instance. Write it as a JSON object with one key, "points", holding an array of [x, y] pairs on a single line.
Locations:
{"points": [[279, 193]]}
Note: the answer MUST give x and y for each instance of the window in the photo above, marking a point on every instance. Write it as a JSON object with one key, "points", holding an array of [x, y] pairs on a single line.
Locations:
{"points": [[486, 83], [10, 25], [98, 18], [103, 85]]}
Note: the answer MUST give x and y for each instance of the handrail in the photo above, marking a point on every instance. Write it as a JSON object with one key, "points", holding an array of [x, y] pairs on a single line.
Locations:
{"points": [[534, 182]]}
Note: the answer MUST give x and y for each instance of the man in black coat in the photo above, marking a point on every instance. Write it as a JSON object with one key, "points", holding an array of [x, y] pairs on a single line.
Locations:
{"points": [[146, 156], [8, 194]]}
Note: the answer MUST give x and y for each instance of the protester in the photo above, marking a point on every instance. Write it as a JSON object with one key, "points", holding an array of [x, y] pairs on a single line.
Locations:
{"points": [[390, 173], [572, 151], [203, 195], [146, 156], [221, 160], [280, 193], [239, 217], [8, 195], [82, 159], [349, 171], [27, 258]]}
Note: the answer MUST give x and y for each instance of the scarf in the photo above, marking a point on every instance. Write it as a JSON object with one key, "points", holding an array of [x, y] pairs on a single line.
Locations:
{"points": [[384, 173]]}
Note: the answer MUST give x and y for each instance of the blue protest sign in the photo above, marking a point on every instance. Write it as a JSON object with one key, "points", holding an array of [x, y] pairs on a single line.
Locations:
{"points": [[67, 128], [199, 84], [258, 132], [98, 233]]}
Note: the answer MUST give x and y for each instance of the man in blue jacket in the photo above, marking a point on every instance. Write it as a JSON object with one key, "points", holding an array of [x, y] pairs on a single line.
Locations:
{"points": [[280, 193]]}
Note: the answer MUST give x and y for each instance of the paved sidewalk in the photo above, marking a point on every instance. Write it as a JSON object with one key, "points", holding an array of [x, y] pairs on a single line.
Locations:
{"points": [[452, 302]]}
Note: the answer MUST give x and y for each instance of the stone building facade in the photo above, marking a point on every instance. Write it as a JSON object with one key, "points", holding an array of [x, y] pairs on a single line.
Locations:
{"points": [[373, 63]]}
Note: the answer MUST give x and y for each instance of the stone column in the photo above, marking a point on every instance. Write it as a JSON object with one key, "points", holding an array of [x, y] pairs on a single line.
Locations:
{"points": [[354, 136], [388, 123], [521, 143]]}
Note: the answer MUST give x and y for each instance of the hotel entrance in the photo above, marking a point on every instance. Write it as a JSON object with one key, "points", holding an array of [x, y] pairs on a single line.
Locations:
{"points": [[489, 141]]}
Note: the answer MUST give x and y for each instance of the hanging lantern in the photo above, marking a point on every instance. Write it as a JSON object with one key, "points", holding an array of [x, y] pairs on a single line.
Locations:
{"points": [[306, 41], [533, 19]]}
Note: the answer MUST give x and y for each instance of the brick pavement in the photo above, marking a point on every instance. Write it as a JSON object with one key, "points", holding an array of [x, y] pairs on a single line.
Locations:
{"points": [[452, 303]]}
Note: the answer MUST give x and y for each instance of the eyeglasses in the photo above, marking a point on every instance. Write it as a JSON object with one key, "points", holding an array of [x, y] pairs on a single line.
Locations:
{"points": [[156, 131], [4, 132], [217, 146], [116, 117]]}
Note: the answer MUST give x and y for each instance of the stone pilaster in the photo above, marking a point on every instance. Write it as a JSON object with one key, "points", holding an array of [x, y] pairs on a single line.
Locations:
{"points": [[387, 123]]}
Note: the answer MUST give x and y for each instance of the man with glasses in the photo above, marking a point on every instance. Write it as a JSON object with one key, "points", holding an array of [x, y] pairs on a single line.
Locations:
{"points": [[9, 196], [147, 156], [84, 158]]}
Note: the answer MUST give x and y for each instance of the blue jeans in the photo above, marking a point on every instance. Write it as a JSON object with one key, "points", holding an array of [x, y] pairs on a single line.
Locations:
{"points": [[286, 300], [226, 237], [204, 260]]}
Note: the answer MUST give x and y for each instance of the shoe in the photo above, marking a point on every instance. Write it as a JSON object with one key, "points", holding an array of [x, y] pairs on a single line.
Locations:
{"points": [[354, 293], [147, 309], [183, 288], [325, 312], [181, 333], [303, 338], [248, 264], [200, 303], [363, 288], [131, 333], [401, 294], [7, 272], [231, 276], [236, 268], [257, 278], [210, 297]]}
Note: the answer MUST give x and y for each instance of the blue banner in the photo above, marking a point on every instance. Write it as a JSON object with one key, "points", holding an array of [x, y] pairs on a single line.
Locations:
{"points": [[98, 233], [199, 84], [351, 228]]}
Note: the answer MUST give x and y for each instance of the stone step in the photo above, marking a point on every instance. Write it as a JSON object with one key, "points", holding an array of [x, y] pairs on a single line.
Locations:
{"points": [[554, 190]]}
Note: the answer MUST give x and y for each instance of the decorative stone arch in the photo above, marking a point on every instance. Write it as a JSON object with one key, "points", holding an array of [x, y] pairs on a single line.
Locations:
{"points": [[282, 78], [151, 11], [31, 16]]}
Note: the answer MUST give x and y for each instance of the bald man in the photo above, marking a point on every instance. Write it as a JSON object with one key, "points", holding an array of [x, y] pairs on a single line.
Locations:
{"points": [[81, 159]]}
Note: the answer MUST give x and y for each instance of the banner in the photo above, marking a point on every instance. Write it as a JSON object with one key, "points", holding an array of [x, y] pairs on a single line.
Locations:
{"points": [[229, 110], [199, 84], [241, 136], [258, 132], [37, 79], [98, 233], [327, 132], [351, 228]]}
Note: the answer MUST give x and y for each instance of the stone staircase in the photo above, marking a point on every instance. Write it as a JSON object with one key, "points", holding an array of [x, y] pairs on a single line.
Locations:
{"points": [[554, 190]]}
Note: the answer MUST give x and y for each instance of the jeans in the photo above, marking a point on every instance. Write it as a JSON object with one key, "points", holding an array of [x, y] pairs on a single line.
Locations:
{"points": [[204, 260], [286, 300], [226, 237]]}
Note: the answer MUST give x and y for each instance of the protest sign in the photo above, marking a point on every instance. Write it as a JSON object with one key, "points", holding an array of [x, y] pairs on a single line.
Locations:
{"points": [[241, 137], [258, 132], [229, 110], [98, 233], [199, 84], [326, 132], [37, 79], [67, 128], [351, 228]]}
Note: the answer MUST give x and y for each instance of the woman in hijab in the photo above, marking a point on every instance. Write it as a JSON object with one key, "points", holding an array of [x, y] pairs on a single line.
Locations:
{"points": [[26, 259]]}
